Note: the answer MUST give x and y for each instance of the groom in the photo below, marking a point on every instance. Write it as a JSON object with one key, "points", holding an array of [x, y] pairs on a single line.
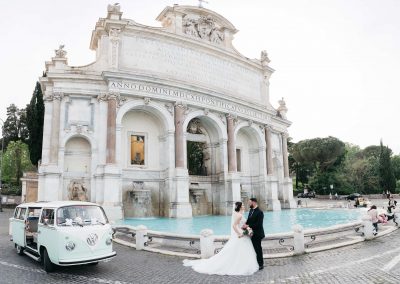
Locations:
{"points": [[255, 222]]}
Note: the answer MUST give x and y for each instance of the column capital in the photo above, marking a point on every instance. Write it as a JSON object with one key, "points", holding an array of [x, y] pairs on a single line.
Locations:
{"points": [[54, 96], [116, 96]]}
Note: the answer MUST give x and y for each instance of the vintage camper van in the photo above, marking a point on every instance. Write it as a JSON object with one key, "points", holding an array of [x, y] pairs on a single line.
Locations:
{"points": [[62, 233]]}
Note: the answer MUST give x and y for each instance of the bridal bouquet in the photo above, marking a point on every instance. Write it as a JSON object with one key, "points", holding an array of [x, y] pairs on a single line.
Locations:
{"points": [[247, 231]]}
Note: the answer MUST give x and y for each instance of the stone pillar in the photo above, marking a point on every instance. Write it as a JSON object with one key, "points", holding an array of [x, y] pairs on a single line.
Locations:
{"points": [[180, 206], [141, 237], [287, 190], [112, 183], [232, 167], [55, 127], [285, 156], [179, 137], [111, 128], [207, 243], [232, 193], [298, 239], [368, 227], [270, 166]]}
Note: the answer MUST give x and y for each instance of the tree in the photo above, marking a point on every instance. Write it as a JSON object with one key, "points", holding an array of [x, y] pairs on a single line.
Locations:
{"points": [[387, 179], [35, 117], [320, 152], [15, 161], [15, 125], [396, 166]]}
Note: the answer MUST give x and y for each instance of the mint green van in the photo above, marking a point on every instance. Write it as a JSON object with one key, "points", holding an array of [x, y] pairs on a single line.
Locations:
{"points": [[62, 233]]}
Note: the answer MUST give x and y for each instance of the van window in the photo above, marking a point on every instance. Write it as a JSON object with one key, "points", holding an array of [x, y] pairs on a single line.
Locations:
{"points": [[17, 211], [47, 216], [22, 214]]}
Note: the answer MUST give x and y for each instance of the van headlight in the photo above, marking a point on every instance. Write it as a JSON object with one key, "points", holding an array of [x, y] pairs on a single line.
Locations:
{"points": [[70, 246], [108, 241]]}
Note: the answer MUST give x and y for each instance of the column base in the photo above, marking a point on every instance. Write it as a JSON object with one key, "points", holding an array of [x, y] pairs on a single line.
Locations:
{"points": [[273, 203], [50, 187], [180, 210]]}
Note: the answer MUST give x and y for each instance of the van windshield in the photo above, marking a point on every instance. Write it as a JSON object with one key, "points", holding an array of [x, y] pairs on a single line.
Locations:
{"points": [[81, 215]]}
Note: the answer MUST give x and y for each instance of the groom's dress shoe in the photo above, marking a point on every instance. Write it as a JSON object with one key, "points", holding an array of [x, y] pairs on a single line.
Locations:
{"points": [[261, 268]]}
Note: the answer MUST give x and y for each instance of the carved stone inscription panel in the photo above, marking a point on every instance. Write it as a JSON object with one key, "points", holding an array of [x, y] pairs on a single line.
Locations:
{"points": [[193, 66]]}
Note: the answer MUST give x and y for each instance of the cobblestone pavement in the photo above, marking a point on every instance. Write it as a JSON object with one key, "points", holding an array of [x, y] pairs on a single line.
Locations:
{"points": [[376, 261]]}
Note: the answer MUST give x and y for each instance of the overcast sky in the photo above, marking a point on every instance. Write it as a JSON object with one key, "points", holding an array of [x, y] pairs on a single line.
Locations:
{"points": [[337, 61]]}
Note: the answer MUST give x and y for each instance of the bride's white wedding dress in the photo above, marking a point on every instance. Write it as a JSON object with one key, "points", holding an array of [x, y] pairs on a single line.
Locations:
{"points": [[237, 257]]}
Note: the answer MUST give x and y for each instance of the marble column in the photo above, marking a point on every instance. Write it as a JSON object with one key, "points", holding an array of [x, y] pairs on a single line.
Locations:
{"points": [[285, 155], [180, 206], [270, 166], [179, 137], [232, 167], [55, 127], [111, 128]]}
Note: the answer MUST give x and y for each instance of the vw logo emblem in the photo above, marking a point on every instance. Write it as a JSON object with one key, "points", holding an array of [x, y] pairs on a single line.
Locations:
{"points": [[92, 239]]}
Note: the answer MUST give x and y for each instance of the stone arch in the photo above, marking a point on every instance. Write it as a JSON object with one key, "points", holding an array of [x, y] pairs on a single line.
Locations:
{"points": [[77, 153], [77, 162], [251, 159], [212, 120], [165, 117]]}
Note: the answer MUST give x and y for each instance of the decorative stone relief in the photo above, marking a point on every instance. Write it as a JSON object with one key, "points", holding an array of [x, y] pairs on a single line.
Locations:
{"points": [[206, 111], [146, 101], [77, 191], [54, 96], [203, 27], [195, 127], [170, 108], [250, 122], [60, 52], [114, 8], [112, 96]]}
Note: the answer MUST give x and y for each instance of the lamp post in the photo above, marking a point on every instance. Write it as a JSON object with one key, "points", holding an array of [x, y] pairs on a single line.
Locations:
{"points": [[1, 163]]}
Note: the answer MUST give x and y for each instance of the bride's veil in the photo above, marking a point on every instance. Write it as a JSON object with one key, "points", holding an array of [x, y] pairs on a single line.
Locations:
{"points": [[233, 233]]}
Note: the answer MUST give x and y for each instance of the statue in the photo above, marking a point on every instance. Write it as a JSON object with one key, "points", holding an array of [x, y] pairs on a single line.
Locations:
{"points": [[264, 58], [77, 191], [60, 52]]}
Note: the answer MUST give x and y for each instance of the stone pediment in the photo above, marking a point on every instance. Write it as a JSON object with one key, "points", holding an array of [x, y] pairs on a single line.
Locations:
{"points": [[198, 23]]}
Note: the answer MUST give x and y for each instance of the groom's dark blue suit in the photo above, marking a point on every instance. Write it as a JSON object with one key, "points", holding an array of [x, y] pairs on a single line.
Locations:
{"points": [[255, 221]]}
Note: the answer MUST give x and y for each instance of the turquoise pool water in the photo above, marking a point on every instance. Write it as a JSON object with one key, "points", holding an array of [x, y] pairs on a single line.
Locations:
{"points": [[274, 221]]}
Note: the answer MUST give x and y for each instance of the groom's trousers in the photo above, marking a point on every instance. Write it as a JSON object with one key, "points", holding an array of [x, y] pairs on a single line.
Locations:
{"points": [[257, 247]]}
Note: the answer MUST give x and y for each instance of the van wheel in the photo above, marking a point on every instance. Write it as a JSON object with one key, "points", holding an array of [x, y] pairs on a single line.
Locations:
{"points": [[48, 266], [20, 250]]}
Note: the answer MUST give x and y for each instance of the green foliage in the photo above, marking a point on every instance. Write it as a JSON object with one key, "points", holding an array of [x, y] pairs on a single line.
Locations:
{"points": [[15, 161], [35, 115], [396, 166], [387, 179], [195, 158], [323, 153], [15, 125]]}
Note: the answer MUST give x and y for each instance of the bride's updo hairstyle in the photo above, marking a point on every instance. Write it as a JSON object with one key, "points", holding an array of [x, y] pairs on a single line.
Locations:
{"points": [[238, 205]]}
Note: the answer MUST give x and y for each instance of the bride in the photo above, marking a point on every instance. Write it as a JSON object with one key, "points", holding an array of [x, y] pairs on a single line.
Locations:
{"points": [[237, 257]]}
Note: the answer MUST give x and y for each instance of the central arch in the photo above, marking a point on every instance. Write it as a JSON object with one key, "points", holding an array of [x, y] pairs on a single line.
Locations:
{"points": [[205, 145]]}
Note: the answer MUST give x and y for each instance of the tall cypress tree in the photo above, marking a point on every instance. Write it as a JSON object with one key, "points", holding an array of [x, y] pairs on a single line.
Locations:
{"points": [[386, 175], [35, 117]]}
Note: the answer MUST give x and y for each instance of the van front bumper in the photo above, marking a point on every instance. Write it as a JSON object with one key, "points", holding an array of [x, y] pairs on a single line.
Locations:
{"points": [[86, 261]]}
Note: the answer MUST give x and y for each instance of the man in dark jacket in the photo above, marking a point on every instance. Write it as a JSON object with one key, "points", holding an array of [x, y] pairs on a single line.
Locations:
{"points": [[255, 222]]}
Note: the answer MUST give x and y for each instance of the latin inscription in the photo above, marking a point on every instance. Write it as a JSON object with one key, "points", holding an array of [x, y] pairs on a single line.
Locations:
{"points": [[191, 97]]}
